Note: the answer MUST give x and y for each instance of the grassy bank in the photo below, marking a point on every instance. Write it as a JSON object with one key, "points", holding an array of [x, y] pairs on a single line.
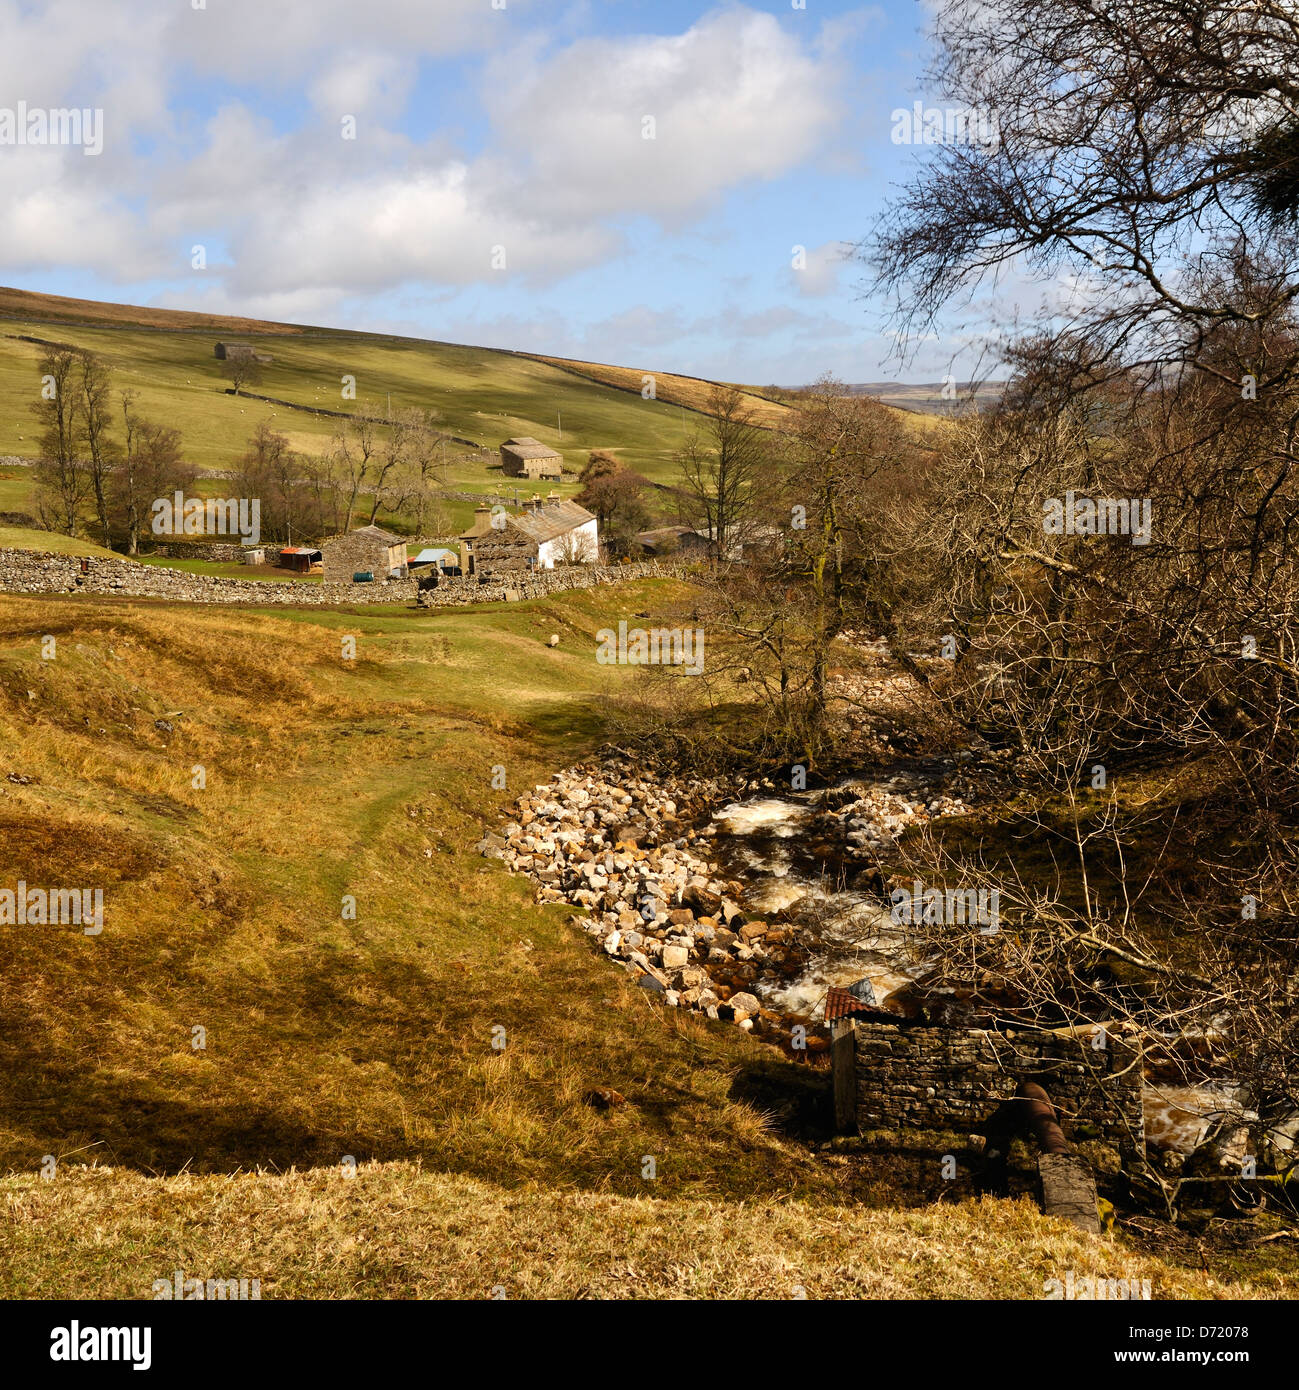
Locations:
{"points": [[328, 779], [396, 1231]]}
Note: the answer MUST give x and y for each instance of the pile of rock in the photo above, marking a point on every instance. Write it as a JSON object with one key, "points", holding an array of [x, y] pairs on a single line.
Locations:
{"points": [[637, 853], [621, 845], [879, 815]]}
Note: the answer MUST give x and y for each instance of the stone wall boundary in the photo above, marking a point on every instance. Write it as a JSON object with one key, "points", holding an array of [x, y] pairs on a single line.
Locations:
{"points": [[43, 572], [952, 1079]]}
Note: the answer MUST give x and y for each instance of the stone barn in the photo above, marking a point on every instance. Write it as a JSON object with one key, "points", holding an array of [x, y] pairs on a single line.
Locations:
{"points": [[367, 550], [530, 458], [541, 536], [236, 352]]}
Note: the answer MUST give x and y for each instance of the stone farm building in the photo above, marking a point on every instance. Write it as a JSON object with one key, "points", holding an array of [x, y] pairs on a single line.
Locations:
{"points": [[367, 550], [234, 352], [530, 458], [540, 536], [674, 540]]}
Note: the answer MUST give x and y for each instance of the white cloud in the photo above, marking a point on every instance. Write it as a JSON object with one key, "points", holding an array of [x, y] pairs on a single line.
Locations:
{"points": [[49, 218], [320, 308], [824, 270], [279, 40], [733, 99], [372, 83], [564, 171], [393, 227]]}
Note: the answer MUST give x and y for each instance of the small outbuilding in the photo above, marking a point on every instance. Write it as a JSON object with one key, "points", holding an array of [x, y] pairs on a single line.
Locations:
{"points": [[366, 550], [301, 559], [526, 457], [436, 557]]}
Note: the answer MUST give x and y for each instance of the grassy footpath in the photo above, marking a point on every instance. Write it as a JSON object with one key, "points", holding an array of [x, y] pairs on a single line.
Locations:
{"points": [[327, 1037]]}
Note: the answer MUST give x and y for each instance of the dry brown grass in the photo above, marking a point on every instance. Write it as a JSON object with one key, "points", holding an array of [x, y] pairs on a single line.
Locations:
{"points": [[326, 1036], [689, 391], [27, 305], [396, 1231], [693, 393]]}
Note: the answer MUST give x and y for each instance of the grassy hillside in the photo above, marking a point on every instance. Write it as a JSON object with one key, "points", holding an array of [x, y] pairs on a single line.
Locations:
{"points": [[327, 1037], [688, 391], [480, 394], [763, 404]]}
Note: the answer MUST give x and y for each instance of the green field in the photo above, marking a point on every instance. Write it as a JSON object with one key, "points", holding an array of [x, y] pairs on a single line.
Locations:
{"points": [[22, 538], [230, 569], [478, 394]]}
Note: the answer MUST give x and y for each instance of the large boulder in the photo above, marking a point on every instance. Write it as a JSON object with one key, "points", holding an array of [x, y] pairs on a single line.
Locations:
{"points": [[740, 1007]]}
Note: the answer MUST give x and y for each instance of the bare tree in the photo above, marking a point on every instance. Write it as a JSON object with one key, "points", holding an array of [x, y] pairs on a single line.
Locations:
{"points": [[722, 469], [426, 454], [835, 451], [95, 387], [271, 471], [242, 369], [63, 481], [1136, 147], [405, 439], [351, 456], [578, 548], [151, 466]]}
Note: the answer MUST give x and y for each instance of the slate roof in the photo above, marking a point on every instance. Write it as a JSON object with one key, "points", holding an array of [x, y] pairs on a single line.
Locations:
{"points": [[377, 533], [526, 447], [670, 533], [553, 520]]}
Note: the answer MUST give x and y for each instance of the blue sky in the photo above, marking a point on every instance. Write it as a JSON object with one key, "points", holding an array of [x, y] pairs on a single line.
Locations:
{"points": [[499, 188]]}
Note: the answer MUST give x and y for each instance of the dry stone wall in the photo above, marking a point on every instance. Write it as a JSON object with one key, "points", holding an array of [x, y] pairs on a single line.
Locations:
{"points": [[953, 1079], [37, 572], [34, 572], [221, 552], [541, 583]]}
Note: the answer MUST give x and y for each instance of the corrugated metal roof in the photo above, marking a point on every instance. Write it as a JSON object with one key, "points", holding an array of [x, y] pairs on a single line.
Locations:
{"points": [[840, 1004]]}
